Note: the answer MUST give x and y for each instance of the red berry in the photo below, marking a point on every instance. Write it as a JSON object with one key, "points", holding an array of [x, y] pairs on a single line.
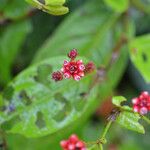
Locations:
{"points": [[73, 143], [79, 144], [74, 69], [71, 146], [76, 77], [73, 138], [89, 67], [67, 75], [145, 94], [143, 110], [135, 108], [64, 144], [73, 54], [142, 103], [135, 101], [57, 76]]}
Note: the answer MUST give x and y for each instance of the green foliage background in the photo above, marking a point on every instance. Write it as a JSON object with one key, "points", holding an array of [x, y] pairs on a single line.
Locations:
{"points": [[35, 112]]}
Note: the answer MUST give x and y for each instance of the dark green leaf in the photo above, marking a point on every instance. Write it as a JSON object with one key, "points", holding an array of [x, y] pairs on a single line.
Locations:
{"points": [[11, 41]]}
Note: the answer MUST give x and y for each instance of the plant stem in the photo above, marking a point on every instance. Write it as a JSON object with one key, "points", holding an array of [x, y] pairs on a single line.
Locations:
{"points": [[106, 129], [141, 6], [102, 139], [145, 119], [101, 147]]}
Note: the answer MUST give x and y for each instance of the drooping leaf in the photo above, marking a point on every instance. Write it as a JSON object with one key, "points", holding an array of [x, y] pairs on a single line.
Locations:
{"points": [[11, 41], [130, 120], [140, 55], [118, 5], [117, 100]]}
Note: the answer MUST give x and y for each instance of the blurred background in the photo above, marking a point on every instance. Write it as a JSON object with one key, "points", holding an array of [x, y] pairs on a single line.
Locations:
{"points": [[28, 35]]}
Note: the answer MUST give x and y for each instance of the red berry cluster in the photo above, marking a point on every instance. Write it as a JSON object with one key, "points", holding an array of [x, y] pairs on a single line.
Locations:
{"points": [[73, 68], [141, 104], [73, 143]]}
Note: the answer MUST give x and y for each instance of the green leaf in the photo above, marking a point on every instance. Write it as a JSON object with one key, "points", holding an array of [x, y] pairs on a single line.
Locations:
{"points": [[15, 9], [140, 55], [51, 9], [118, 5], [42, 106], [91, 41], [130, 120], [55, 2], [117, 100], [11, 41]]}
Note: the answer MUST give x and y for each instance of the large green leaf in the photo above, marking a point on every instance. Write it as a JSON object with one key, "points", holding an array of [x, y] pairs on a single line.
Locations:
{"points": [[38, 106], [140, 55], [118, 5], [130, 120], [11, 41], [88, 30], [54, 139]]}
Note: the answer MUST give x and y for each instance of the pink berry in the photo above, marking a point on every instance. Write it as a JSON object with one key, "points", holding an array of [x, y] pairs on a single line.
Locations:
{"points": [[76, 77], [73, 143], [66, 62], [57, 76], [73, 138], [145, 94], [74, 69], [71, 146], [135, 108], [79, 144], [81, 67], [141, 104], [143, 111], [81, 74], [67, 75], [79, 62], [89, 67], [73, 54], [64, 144], [135, 101]]}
